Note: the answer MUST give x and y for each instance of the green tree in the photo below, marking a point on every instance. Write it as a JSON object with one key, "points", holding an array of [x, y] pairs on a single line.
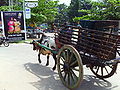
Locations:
{"points": [[3, 2], [14, 6], [105, 10], [77, 5], [44, 12], [17, 5], [73, 9], [62, 14]]}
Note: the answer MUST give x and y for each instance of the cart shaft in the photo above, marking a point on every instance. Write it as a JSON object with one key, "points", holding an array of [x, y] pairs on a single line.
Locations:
{"points": [[43, 46]]}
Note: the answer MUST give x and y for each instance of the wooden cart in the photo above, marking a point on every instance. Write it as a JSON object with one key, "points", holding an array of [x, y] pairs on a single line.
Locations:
{"points": [[79, 46]]}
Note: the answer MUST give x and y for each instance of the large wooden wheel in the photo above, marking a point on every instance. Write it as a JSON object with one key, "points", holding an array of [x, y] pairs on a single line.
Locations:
{"points": [[70, 68], [104, 71]]}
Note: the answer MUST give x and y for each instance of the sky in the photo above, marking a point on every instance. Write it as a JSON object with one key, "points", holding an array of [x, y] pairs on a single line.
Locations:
{"points": [[67, 2]]}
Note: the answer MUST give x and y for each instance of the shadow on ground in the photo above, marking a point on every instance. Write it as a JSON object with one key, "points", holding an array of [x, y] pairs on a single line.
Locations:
{"points": [[90, 82], [49, 80]]}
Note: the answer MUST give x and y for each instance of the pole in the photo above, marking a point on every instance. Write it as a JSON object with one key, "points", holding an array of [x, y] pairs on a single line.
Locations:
{"points": [[23, 5], [119, 27], [9, 5], [24, 18], [2, 24]]}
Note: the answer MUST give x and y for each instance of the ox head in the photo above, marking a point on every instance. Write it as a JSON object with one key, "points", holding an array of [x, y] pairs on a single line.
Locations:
{"points": [[34, 46]]}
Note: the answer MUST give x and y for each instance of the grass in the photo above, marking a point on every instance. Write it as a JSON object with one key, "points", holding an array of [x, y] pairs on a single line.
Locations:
{"points": [[23, 41]]}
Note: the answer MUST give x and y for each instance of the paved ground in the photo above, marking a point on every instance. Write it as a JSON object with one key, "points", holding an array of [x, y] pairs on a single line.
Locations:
{"points": [[19, 70]]}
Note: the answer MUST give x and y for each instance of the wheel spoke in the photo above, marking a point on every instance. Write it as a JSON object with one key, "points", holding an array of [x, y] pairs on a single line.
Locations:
{"points": [[72, 77], [75, 69], [70, 57], [65, 76], [97, 70], [62, 59], [61, 64], [61, 71], [110, 66], [106, 70], [67, 56], [102, 71], [62, 68], [73, 63], [64, 56], [74, 74], [68, 78]]}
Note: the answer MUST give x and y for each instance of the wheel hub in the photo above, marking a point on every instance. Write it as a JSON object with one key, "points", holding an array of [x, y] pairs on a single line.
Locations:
{"points": [[66, 67]]}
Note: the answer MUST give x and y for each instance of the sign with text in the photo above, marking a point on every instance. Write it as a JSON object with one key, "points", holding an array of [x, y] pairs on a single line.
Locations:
{"points": [[14, 25], [31, 4], [27, 13]]}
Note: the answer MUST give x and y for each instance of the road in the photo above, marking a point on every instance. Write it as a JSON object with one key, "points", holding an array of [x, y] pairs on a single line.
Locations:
{"points": [[20, 70]]}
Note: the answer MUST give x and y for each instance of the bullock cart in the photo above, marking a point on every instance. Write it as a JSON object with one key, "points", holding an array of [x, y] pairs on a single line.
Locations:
{"points": [[76, 46]]}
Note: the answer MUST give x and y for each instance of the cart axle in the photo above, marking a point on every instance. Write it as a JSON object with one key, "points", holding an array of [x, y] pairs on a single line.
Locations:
{"points": [[113, 61], [116, 60]]}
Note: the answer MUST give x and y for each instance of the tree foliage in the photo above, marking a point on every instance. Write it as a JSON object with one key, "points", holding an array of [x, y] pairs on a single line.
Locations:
{"points": [[3, 2], [77, 5], [105, 10], [44, 12], [73, 9], [15, 6], [62, 14]]}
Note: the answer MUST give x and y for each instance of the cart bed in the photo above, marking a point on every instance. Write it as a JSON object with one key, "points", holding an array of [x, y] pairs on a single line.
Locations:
{"points": [[91, 44]]}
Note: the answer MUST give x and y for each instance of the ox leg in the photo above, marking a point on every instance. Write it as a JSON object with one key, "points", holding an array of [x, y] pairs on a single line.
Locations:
{"points": [[54, 56], [39, 58], [47, 60]]}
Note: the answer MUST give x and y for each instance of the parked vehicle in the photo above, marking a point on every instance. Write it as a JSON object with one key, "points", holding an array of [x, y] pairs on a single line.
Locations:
{"points": [[4, 41], [33, 33]]}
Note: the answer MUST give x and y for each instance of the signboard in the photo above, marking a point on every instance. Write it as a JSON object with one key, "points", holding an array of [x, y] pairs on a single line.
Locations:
{"points": [[14, 25], [31, 4], [1, 29], [27, 13]]}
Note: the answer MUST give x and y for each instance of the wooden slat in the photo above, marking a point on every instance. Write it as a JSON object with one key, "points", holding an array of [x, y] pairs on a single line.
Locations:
{"points": [[93, 42]]}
